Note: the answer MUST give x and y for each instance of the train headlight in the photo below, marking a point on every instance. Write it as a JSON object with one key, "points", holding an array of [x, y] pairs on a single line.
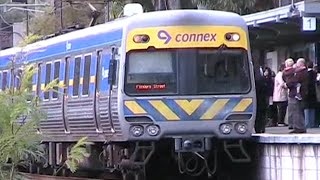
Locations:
{"points": [[153, 130], [241, 128], [136, 131], [232, 37], [141, 38], [225, 128]]}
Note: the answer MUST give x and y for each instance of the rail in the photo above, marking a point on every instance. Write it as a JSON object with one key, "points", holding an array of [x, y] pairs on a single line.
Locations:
{"points": [[27, 176]]}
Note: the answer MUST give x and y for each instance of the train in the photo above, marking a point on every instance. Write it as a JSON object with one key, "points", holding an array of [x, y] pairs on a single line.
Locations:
{"points": [[180, 79]]}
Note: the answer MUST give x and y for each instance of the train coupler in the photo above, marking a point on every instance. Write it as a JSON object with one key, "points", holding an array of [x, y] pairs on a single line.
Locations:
{"points": [[192, 144]]}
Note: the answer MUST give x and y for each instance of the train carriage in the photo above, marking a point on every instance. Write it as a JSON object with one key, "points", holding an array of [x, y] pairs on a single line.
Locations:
{"points": [[183, 75]]}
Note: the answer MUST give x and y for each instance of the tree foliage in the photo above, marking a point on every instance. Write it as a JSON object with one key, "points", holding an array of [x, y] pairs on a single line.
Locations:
{"points": [[20, 116], [43, 23], [62, 16], [238, 6], [76, 12], [32, 38]]}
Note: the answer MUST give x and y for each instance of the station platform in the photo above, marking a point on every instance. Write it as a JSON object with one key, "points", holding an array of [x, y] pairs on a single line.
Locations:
{"points": [[282, 135], [284, 156]]}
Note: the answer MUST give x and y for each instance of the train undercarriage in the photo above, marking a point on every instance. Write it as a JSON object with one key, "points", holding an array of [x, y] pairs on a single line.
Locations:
{"points": [[186, 157]]}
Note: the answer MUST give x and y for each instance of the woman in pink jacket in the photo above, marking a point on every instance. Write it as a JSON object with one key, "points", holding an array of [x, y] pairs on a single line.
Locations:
{"points": [[280, 96]]}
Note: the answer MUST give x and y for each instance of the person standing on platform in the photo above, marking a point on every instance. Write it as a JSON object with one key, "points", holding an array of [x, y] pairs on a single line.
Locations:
{"points": [[261, 86], [288, 75], [311, 97], [271, 108], [296, 106], [280, 96]]}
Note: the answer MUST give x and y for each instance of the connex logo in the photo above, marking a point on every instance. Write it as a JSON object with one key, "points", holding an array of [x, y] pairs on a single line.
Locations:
{"points": [[187, 37], [202, 37], [164, 35]]}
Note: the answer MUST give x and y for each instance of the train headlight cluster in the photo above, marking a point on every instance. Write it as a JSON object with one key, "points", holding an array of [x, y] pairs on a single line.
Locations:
{"points": [[141, 38], [139, 130], [226, 128], [153, 130], [136, 131], [241, 128], [232, 37]]}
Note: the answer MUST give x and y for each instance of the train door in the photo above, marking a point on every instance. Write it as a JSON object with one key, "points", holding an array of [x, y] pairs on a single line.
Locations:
{"points": [[52, 100], [107, 94], [79, 108]]}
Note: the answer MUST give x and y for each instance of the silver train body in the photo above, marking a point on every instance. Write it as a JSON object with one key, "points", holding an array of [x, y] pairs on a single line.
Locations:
{"points": [[182, 75]]}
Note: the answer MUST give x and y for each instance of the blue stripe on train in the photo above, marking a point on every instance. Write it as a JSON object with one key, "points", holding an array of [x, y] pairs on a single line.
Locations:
{"points": [[80, 44]]}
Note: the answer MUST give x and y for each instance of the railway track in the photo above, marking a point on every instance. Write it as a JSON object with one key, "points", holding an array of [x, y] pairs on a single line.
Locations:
{"points": [[27, 176]]}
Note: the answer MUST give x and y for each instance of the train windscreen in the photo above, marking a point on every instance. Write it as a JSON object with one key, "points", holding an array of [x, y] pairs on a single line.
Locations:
{"points": [[187, 72]]}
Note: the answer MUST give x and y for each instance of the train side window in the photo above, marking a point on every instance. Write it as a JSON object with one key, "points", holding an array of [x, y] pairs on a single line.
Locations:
{"points": [[117, 68], [98, 74], [18, 77], [0, 80], [47, 80], [34, 80], [66, 76], [86, 75], [4, 80], [11, 79], [56, 76], [39, 80], [76, 77]]}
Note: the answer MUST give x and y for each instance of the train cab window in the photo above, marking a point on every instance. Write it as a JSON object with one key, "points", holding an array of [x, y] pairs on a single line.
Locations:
{"points": [[86, 76], [152, 72], [223, 71], [56, 73], [76, 76], [47, 79], [4, 80]]}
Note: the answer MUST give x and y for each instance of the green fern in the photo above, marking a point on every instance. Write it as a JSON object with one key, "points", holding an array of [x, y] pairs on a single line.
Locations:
{"points": [[77, 154]]}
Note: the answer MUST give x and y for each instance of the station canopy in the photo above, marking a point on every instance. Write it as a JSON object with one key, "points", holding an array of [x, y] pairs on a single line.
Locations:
{"points": [[285, 25]]}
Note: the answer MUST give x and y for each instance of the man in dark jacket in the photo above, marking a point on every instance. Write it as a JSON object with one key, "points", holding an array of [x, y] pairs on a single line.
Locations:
{"points": [[311, 97], [261, 86], [295, 106]]}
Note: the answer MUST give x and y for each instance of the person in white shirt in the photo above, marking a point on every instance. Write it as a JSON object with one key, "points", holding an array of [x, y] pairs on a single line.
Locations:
{"points": [[280, 96]]}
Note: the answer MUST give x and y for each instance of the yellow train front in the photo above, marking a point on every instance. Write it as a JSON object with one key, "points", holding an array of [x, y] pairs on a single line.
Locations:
{"points": [[187, 75]]}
